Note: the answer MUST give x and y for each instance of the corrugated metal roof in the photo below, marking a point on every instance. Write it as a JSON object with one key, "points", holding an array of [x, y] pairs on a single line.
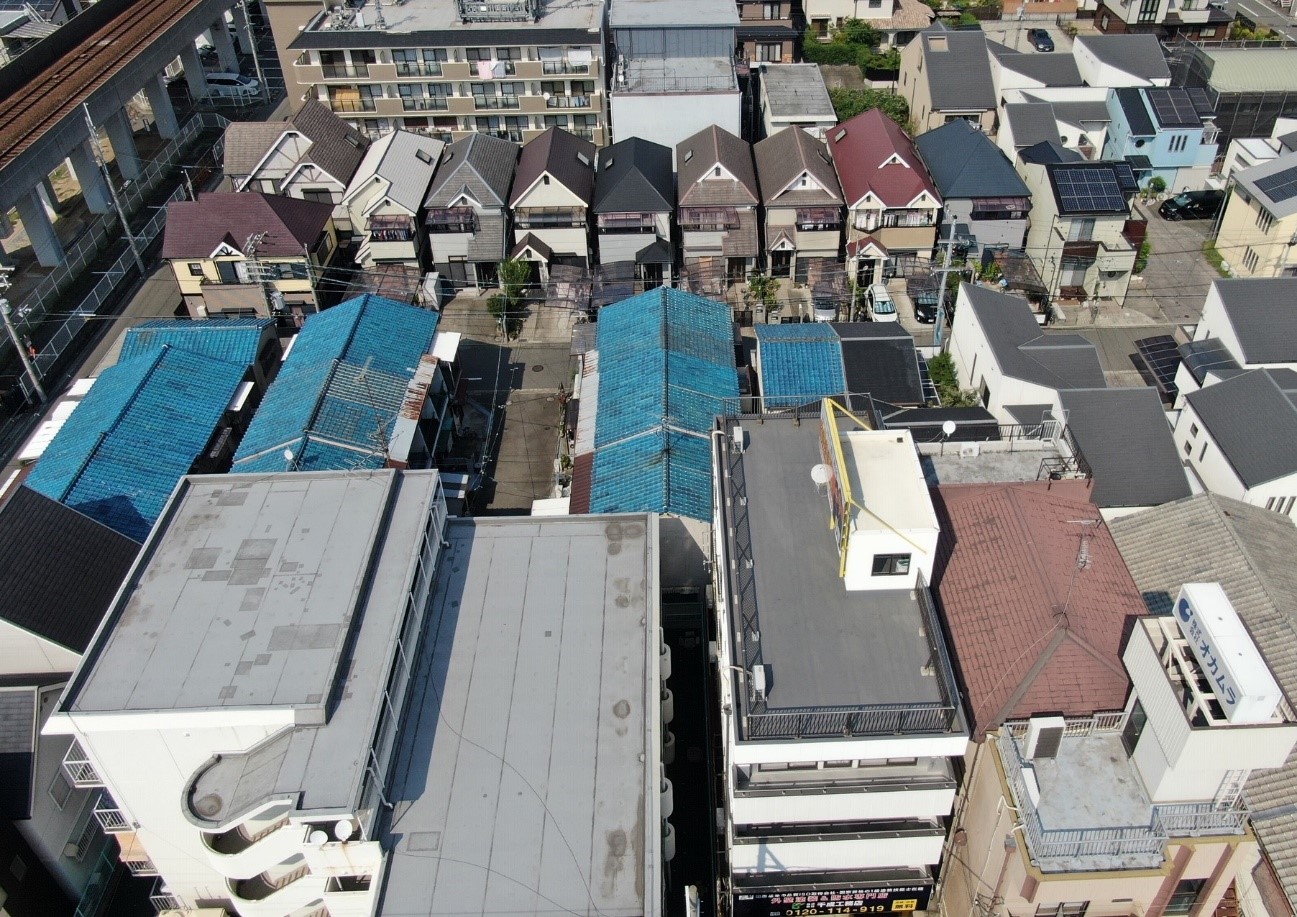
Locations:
{"points": [[799, 364], [236, 340], [666, 367], [338, 394], [396, 158], [1253, 69], [136, 433]]}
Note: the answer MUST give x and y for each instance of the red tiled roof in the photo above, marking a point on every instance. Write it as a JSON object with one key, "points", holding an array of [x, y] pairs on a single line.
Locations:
{"points": [[195, 229], [1032, 630], [860, 147], [582, 480]]}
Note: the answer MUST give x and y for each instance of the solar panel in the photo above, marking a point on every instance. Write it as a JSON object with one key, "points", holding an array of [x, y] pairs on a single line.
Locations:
{"points": [[1089, 190], [1279, 187], [1125, 177], [1201, 101], [1162, 357], [1173, 107]]}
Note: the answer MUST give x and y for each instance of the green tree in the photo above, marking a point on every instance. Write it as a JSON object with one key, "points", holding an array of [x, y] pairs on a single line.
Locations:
{"points": [[762, 290], [857, 32], [847, 103], [945, 378], [509, 308]]}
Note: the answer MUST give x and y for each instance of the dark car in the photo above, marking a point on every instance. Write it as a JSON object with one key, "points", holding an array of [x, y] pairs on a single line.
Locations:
{"points": [[1192, 205], [1040, 40], [925, 306]]}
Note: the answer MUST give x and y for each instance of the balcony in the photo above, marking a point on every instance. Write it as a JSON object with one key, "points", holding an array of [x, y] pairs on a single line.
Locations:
{"points": [[271, 882], [351, 106], [79, 769], [414, 68], [494, 102], [618, 223], [134, 857], [567, 102], [163, 900], [415, 103], [112, 819], [345, 71], [554, 68]]}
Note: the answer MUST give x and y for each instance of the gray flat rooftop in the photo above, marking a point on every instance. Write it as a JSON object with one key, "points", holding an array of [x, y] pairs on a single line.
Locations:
{"points": [[679, 74], [987, 467], [443, 16], [823, 645], [665, 14], [519, 783], [246, 595], [796, 91]]}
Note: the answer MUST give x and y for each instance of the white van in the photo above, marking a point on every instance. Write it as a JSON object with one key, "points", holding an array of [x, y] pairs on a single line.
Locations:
{"points": [[231, 86], [881, 306]]}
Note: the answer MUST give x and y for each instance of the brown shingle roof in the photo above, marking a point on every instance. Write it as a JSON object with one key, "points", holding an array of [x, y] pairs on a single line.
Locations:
{"points": [[696, 156], [861, 146], [569, 159], [1033, 628], [336, 146], [195, 228], [782, 157]]}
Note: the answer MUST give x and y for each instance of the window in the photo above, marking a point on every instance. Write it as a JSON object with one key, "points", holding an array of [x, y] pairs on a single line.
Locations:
{"points": [[770, 52], [771, 11], [18, 867], [318, 195], [60, 789], [1203, 452], [1065, 909], [1193, 430], [1251, 259], [1188, 447], [425, 62], [1134, 728], [1264, 220], [1148, 10], [1184, 897], [196, 269], [891, 564]]}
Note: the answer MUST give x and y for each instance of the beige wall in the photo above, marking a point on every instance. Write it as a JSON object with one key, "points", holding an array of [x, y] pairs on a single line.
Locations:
{"points": [[979, 868], [1240, 233]]}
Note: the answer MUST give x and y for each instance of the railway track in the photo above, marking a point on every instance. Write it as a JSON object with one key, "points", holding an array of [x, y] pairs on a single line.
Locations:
{"points": [[26, 115]]}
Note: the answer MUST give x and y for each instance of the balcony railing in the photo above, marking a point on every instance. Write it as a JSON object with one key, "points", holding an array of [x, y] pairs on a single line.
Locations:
{"points": [[351, 106], [163, 900], [419, 103], [495, 102], [345, 71], [79, 769], [554, 67], [139, 865], [567, 102], [414, 68], [112, 819]]}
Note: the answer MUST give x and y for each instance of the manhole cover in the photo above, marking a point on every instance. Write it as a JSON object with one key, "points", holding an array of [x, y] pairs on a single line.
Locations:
{"points": [[537, 368]]}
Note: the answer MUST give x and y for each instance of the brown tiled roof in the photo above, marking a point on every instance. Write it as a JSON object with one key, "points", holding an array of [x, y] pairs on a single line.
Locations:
{"points": [[782, 157], [1036, 603], [336, 146], [582, 480], [699, 154], [569, 159], [194, 229], [861, 146]]}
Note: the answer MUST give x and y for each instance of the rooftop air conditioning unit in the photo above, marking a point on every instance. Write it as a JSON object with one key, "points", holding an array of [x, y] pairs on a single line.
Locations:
{"points": [[737, 435], [759, 683], [1044, 735]]}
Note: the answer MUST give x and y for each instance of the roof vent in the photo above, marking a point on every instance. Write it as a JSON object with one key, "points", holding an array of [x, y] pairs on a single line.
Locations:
{"points": [[583, 159], [1044, 735], [839, 135], [423, 156], [937, 43]]}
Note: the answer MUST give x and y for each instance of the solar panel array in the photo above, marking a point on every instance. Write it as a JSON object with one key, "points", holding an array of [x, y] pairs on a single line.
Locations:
{"points": [[1279, 187], [1088, 189], [1174, 108], [1201, 101], [1125, 177]]}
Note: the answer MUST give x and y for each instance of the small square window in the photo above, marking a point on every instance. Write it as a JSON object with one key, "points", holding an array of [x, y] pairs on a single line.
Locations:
{"points": [[196, 269], [891, 564], [1193, 429]]}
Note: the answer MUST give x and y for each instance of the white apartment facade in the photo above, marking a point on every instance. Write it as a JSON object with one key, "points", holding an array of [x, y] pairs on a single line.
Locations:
{"points": [[839, 712]]}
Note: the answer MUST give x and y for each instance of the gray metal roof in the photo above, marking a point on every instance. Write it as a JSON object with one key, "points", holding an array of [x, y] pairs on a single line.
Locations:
{"points": [[796, 91], [1125, 437], [480, 162], [783, 157], [525, 780], [1031, 123], [1249, 551], [825, 646], [964, 163], [1281, 204], [1049, 69], [407, 161], [1263, 314], [660, 14], [634, 176], [1253, 423], [268, 592], [958, 69], [1057, 361], [1139, 55], [17, 747]]}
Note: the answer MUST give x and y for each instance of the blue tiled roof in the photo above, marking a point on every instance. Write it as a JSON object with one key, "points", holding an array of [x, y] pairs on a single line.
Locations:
{"points": [[666, 369], [337, 396], [236, 340], [137, 432], [800, 363]]}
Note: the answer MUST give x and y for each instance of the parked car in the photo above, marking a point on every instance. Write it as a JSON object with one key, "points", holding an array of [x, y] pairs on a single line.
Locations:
{"points": [[881, 306], [231, 86], [1192, 205], [925, 306], [1040, 40], [824, 310]]}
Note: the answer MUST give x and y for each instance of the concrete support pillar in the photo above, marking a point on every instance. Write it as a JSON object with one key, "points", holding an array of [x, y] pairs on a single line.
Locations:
{"points": [[164, 114], [40, 230], [243, 29], [224, 46], [94, 190], [195, 76], [49, 199], [122, 138], [6, 230]]}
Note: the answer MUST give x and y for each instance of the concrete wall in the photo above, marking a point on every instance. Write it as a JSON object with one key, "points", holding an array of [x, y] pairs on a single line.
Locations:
{"points": [[1212, 466], [1240, 234], [668, 118], [989, 233]]}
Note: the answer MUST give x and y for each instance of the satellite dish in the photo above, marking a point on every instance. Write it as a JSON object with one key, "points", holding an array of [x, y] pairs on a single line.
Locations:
{"points": [[288, 455], [820, 474], [342, 830], [949, 428], [319, 838]]}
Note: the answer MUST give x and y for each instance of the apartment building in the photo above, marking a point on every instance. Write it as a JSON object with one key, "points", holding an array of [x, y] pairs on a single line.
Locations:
{"points": [[840, 715], [296, 656], [449, 68]]}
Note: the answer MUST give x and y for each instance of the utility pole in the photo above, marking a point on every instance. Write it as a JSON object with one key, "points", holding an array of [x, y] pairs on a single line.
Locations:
{"points": [[957, 232], [6, 311], [256, 273], [252, 42], [112, 190]]}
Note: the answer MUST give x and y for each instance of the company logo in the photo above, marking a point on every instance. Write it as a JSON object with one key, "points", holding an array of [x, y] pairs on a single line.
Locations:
{"points": [[1200, 642]]}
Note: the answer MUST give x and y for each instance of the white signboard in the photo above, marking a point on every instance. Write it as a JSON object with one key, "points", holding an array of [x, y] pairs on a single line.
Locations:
{"points": [[1239, 676]]}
